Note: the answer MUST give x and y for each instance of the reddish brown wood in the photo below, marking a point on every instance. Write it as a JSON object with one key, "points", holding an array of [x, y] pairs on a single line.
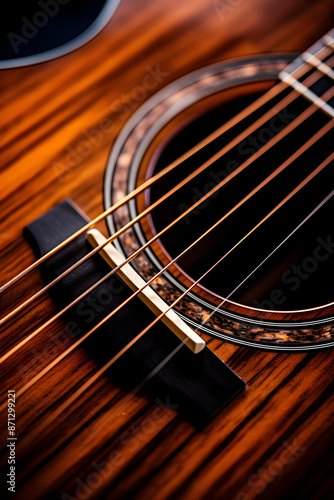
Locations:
{"points": [[47, 111]]}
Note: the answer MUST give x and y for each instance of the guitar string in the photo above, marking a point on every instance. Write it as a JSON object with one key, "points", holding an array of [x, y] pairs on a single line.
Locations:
{"points": [[280, 87], [133, 221], [172, 306], [164, 361], [171, 355], [85, 386], [121, 404], [272, 253], [274, 91], [116, 408], [281, 134], [254, 191], [301, 150]]}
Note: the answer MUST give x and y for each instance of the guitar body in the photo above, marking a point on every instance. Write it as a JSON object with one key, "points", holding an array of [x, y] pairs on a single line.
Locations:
{"points": [[59, 121]]}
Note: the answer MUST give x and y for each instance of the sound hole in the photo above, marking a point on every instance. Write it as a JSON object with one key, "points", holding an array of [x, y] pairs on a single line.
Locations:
{"points": [[298, 273]]}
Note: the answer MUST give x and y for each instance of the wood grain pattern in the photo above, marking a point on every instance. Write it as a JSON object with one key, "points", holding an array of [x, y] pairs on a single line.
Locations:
{"points": [[272, 440]]}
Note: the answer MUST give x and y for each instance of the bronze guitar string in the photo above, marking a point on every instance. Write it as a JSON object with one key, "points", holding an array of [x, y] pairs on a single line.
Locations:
{"points": [[276, 139], [133, 221], [102, 370], [274, 91], [200, 169], [292, 158], [304, 148], [130, 258], [271, 253], [234, 121], [157, 319]]}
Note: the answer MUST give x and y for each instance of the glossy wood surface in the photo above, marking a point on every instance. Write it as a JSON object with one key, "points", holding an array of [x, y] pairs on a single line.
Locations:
{"points": [[58, 122]]}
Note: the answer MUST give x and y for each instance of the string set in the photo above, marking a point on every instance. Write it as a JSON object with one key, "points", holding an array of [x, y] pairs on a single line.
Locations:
{"points": [[288, 99], [275, 91]]}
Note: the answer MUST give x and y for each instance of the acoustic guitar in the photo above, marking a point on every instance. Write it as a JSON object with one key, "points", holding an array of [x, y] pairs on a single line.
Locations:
{"points": [[167, 250]]}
